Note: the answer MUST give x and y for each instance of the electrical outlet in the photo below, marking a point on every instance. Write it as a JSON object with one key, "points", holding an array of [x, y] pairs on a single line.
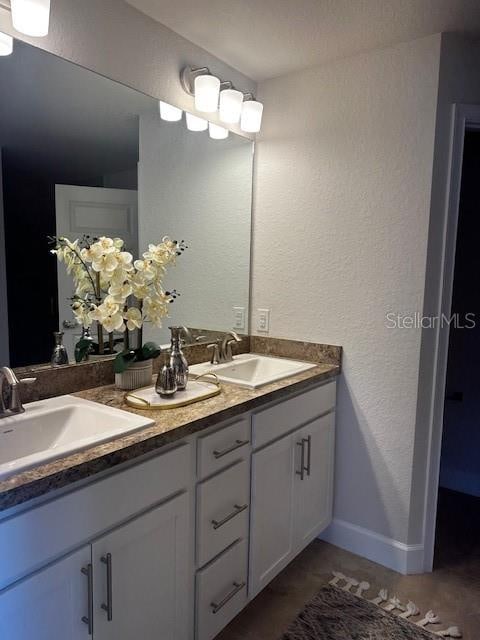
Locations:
{"points": [[239, 317], [263, 320]]}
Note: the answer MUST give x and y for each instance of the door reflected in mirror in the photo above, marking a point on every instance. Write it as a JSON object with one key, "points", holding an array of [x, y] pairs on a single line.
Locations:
{"points": [[83, 155]]}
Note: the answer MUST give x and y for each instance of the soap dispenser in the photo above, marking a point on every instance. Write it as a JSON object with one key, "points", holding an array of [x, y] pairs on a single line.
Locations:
{"points": [[166, 385], [177, 360]]}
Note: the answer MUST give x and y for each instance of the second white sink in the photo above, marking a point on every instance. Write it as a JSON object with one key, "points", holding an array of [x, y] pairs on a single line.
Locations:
{"points": [[50, 429], [251, 370]]}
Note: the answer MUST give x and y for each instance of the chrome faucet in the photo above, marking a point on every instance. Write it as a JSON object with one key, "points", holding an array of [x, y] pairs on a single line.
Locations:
{"points": [[13, 404], [226, 346]]}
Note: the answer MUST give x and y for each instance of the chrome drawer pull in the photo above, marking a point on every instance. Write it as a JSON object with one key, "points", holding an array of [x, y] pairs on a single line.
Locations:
{"points": [[309, 453], [216, 606], [237, 445], [108, 607], [238, 509], [301, 473], [88, 620]]}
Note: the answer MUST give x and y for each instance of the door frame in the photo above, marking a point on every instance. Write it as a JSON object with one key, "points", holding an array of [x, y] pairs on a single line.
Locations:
{"points": [[464, 117]]}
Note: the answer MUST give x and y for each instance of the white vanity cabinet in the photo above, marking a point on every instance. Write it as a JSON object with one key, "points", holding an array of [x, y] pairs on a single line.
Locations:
{"points": [[134, 580], [50, 604], [140, 577], [172, 546], [292, 480]]}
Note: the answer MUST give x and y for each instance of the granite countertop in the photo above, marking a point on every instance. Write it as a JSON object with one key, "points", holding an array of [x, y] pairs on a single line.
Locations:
{"points": [[169, 426]]}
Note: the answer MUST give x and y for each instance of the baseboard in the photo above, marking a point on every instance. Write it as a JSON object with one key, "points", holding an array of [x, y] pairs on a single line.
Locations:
{"points": [[390, 553]]}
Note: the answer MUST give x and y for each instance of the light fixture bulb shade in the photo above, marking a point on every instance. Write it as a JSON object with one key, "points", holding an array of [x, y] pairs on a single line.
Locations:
{"points": [[207, 89], [251, 119], [169, 113], [231, 102], [216, 132], [6, 44], [194, 123], [31, 17]]}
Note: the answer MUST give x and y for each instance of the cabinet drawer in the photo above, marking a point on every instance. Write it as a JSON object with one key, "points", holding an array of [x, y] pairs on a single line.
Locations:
{"points": [[276, 421], [221, 448], [222, 511], [221, 591], [54, 528]]}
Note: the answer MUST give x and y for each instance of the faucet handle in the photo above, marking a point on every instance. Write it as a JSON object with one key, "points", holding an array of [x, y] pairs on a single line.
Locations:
{"points": [[215, 347]]}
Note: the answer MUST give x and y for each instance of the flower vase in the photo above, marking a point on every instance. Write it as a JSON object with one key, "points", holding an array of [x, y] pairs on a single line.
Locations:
{"points": [[138, 374]]}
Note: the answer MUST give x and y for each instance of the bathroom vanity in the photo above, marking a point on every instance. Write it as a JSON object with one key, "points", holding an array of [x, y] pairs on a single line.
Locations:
{"points": [[117, 523], [174, 542]]}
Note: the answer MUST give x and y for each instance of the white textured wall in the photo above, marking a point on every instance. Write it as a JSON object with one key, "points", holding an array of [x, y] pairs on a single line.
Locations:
{"points": [[342, 196], [196, 189]]}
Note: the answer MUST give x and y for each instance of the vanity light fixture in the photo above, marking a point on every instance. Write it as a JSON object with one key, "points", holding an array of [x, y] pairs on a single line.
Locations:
{"points": [[216, 132], [231, 102], [194, 123], [31, 17], [235, 106], [169, 113], [6, 44], [207, 89], [251, 119]]}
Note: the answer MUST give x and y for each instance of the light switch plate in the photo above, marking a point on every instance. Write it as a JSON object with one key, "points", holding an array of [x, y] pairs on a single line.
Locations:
{"points": [[239, 317], [263, 320]]}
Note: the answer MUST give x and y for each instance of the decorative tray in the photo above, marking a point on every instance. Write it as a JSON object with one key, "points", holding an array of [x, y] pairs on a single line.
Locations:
{"points": [[198, 388]]}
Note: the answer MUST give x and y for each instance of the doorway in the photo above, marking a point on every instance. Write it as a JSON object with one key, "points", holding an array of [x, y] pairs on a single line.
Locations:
{"points": [[457, 540]]}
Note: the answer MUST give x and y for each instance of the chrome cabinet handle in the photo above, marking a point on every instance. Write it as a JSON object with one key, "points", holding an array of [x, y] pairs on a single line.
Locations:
{"points": [[107, 560], [308, 439], [301, 473], [88, 619], [237, 586], [223, 452], [238, 509]]}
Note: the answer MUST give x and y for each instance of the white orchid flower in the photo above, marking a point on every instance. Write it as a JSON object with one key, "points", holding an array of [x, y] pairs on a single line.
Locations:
{"points": [[107, 244], [125, 260], [155, 309], [133, 316], [106, 263], [161, 254], [144, 270], [120, 292]]}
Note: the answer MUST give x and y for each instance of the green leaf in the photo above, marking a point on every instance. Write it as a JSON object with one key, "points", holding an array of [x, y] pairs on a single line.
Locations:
{"points": [[123, 361], [82, 348], [149, 351]]}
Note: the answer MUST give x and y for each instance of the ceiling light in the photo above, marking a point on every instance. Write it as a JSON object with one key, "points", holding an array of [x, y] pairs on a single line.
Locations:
{"points": [[31, 17], [251, 119], [207, 89], [194, 123], [6, 44], [169, 113], [230, 105], [216, 132]]}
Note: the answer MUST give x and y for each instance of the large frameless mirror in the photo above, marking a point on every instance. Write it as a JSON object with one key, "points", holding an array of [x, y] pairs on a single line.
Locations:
{"points": [[83, 157]]}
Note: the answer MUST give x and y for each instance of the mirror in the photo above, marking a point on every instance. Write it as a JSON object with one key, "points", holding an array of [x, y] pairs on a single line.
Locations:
{"points": [[83, 155]]}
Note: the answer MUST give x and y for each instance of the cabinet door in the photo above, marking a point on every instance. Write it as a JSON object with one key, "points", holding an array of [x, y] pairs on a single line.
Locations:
{"points": [[141, 587], [314, 487], [271, 512], [50, 604]]}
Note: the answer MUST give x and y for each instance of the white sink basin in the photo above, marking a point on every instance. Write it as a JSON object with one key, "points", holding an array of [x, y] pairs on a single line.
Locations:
{"points": [[50, 429], [252, 371]]}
